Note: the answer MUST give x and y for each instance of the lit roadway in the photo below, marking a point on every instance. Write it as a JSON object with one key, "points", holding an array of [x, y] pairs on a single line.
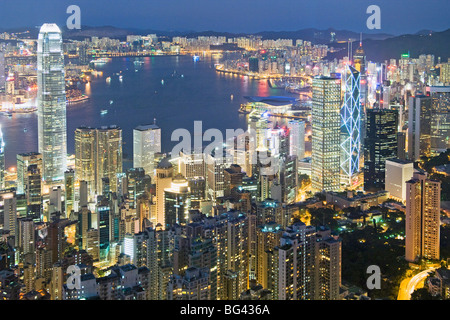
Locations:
{"points": [[408, 285]]}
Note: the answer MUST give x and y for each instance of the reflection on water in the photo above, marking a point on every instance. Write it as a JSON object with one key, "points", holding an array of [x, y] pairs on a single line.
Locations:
{"points": [[201, 94]]}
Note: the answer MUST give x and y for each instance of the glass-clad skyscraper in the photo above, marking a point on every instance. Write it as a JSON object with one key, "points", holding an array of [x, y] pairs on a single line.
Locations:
{"points": [[51, 103], [351, 126], [326, 123]]}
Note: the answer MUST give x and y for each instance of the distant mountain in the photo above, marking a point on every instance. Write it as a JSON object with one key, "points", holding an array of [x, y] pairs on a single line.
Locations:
{"points": [[436, 43], [322, 36]]}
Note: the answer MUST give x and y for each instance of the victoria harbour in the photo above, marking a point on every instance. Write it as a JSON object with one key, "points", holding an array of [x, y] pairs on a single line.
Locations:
{"points": [[174, 90]]}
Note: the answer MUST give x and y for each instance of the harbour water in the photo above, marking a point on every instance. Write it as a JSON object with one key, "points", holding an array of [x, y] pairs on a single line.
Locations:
{"points": [[176, 90]]}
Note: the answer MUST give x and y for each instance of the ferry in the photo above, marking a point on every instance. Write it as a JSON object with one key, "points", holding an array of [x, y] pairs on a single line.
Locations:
{"points": [[100, 61]]}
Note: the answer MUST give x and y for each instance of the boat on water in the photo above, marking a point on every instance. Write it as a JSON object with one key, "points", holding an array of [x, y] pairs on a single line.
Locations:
{"points": [[108, 80], [111, 102], [100, 61], [103, 112], [25, 129], [196, 58], [162, 82], [231, 97], [120, 78]]}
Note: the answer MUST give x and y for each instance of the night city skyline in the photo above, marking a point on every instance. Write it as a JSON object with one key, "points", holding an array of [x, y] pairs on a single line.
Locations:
{"points": [[216, 157]]}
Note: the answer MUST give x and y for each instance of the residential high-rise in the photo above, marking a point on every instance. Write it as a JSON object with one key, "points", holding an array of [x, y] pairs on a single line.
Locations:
{"points": [[380, 144], [351, 126], [326, 123], [51, 103], [423, 204], [146, 142]]}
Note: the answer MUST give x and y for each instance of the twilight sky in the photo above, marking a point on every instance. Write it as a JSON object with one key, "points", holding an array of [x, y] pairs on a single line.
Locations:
{"points": [[397, 16]]}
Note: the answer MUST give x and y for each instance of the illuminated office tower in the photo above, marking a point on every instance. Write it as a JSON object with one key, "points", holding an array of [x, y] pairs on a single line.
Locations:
{"points": [[69, 192], [2, 160], [216, 163], [444, 77], [138, 183], [55, 202], [177, 202], [359, 62], [103, 216], [351, 127], [297, 138], [423, 204], [98, 155], [33, 191], [440, 119], [146, 142], [268, 237], [24, 160], [380, 144], [108, 156], [419, 127], [164, 175], [2, 71], [278, 139], [83, 226], [8, 209], [192, 165], [92, 244], [326, 105], [397, 173], [51, 103], [85, 146]]}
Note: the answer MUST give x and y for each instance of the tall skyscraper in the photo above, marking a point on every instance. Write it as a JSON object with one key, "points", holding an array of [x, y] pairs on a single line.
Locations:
{"points": [[351, 126], [2, 71], [380, 144], [98, 155], [85, 147], [24, 160], [2, 160], [146, 142], [108, 156], [423, 204], [297, 138], [440, 119], [326, 105], [51, 103], [419, 127]]}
